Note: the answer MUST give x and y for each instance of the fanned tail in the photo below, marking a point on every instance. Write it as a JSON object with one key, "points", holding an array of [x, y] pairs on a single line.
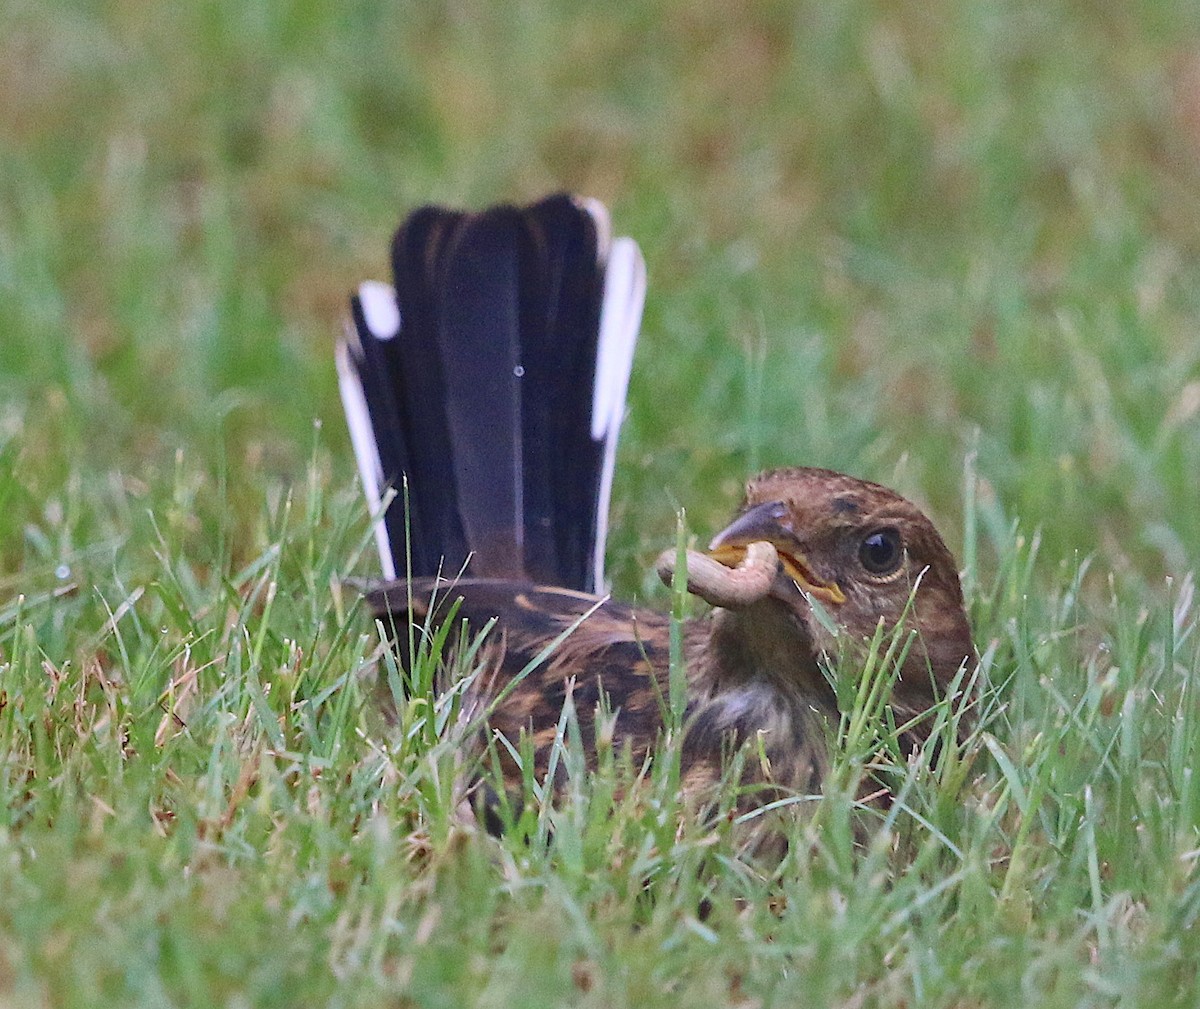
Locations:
{"points": [[487, 387]]}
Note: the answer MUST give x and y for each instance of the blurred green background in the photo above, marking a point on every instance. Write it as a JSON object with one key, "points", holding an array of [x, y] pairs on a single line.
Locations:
{"points": [[879, 236], [952, 245]]}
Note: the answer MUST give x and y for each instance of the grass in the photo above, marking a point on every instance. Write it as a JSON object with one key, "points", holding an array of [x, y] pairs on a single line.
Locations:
{"points": [[949, 245]]}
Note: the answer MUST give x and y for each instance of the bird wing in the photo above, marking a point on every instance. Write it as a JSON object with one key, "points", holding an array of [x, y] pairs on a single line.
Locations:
{"points": [[547, 642]]}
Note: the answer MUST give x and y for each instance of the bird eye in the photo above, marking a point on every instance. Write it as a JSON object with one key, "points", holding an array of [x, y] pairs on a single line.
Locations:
{"points": [[881, 552]]}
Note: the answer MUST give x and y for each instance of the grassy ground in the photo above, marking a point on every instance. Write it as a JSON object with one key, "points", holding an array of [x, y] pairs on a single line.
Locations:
{"points": [[952, 245]]}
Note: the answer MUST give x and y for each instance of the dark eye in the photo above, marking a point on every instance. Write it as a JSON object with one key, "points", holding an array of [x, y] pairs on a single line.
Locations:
{"points": [[881, 552]]}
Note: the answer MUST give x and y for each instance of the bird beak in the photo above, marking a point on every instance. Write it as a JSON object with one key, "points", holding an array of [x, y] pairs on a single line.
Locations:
{"points": [[771, 523]]}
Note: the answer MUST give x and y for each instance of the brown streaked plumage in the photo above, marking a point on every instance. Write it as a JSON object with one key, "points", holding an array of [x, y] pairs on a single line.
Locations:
{"points": [[486, 387], [752, 668]]}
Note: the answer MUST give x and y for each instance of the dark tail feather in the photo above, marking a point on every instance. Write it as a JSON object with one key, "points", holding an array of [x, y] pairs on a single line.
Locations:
{"points": [[493, 377]]}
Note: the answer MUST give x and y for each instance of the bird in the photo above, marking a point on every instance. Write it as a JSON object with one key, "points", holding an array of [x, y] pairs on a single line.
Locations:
{"points": [[486, 387]]}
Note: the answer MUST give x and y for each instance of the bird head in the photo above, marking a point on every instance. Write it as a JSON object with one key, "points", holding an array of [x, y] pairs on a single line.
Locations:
{"points": [[862, 554]]}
